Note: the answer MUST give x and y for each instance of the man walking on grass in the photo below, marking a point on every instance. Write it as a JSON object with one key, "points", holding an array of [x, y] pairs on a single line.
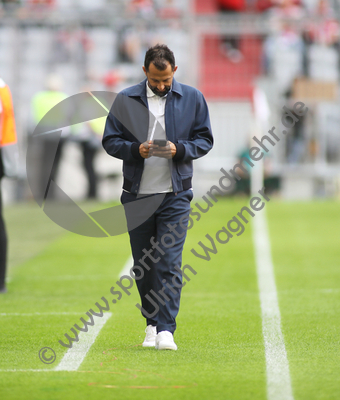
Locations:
{"points": [[158, 128]]}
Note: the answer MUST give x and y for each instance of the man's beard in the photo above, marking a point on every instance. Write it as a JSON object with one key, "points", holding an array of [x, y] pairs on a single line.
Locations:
{"points": [[158, 92]]}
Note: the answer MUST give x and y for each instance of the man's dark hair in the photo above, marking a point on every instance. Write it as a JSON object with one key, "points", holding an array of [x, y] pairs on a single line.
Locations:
{"points": [[160, 55]]}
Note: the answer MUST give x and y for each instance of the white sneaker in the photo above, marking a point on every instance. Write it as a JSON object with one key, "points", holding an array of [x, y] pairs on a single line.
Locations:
{"points": [[150, 337], [165, 341]]}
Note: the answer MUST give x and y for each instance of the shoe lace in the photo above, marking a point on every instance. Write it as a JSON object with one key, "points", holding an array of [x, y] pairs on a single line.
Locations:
{"points": [[168, 334], [150, 332]]}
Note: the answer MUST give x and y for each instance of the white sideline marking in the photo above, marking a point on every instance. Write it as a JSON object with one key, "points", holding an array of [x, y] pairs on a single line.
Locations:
{"points": [[69, 277], [126, 269], [26, 370], [278, 378], [76, 354], [36, 313]]}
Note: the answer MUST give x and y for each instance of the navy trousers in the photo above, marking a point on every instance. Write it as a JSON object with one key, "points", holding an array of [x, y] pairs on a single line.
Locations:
{"points": [[158, 274]]}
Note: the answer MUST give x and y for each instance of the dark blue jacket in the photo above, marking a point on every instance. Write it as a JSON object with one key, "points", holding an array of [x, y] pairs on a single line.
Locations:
{"points": [[187, 125]]}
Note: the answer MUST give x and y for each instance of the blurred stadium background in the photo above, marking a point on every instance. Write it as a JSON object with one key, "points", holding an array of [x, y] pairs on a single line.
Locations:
{"points": [[249, 58], [287, 50]]}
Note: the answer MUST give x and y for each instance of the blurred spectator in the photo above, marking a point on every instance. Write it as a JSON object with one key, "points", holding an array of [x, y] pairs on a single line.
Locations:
{"points": [[243, 185], [130, 44], [9, 3], [81, 46], [89, 135], [169, 10], [322, 41], [230, 45], [271, 182], [37, 9], [111, 80], [296, 143], [283, 49], [71, 44], [43, 102], [134, 41], [141, 8], [9, 7], [61, 51], [90, 143], [232, 5], [263, 5], [288, 9], [285, 40], [8, 163], [41, 3]]}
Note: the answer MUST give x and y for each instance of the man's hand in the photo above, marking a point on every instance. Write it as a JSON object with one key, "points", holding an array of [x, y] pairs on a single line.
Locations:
{"points": [[167, 151], [144, 149]]}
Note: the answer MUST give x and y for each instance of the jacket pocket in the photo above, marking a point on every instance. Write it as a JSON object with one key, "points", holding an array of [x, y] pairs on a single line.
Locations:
{"points": [[129, 169], [184, 168]]}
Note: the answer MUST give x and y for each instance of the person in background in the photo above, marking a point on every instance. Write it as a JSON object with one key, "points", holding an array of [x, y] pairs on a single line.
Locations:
{"points": [[322, 30], [272, 181], [169, 10], [88, 135], [230, 45], [43, 102], [144, 9], [296, 138], [284, 40], [8, 166], [90, 148]]}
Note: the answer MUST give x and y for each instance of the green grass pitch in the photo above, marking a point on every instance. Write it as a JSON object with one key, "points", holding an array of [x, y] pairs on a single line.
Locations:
{"points": [[219, 328]]}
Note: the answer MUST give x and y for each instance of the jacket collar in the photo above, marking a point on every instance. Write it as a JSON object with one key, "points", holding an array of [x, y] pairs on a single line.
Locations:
{"points": [[140, 89]]}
